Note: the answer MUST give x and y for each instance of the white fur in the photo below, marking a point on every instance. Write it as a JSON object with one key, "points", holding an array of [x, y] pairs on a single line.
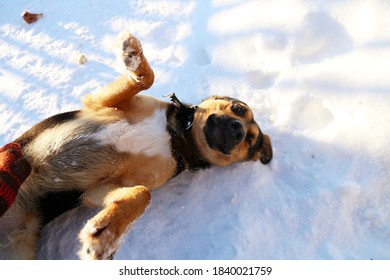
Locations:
{"points": [[53, 139], [148, 137]]}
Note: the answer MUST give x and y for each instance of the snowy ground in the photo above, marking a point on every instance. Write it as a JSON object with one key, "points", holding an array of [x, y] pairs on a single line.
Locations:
{"points": [[316, 74]]}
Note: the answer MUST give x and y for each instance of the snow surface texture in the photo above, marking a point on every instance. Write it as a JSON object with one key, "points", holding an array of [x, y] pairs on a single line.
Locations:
{"points": [[316, 74]]}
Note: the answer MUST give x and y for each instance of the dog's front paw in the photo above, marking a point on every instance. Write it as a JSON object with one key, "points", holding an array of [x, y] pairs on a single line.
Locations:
{"points": [[133, 57], [131, 51], [99, 239], [102, 236]]}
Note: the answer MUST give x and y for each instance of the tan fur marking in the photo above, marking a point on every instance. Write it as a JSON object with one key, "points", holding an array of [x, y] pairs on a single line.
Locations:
{"points": [[129, 172], [159, 170], [139, 107]]}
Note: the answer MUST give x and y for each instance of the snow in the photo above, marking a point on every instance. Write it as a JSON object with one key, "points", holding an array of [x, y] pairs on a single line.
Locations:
{"points": [[316, 74]]}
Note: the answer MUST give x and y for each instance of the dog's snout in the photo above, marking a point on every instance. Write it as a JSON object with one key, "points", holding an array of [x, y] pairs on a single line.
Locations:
{"points": [[236, 131]]}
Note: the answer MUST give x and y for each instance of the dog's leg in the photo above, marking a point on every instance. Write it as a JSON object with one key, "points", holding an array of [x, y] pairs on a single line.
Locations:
{"points": [[19, 231], [140, 77], [104, 233]]}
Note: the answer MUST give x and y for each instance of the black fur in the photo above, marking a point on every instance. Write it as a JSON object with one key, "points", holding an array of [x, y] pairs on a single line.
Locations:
{"points": [[179, 118], [53, 204]]}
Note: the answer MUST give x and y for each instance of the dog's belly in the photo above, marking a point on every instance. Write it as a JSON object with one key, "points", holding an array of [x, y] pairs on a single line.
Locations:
{"points": [[144, 150], [148, 137], [80, 154]]}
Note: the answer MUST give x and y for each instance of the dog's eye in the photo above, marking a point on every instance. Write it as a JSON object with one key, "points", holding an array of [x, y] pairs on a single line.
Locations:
{"points": [[238, 109]]}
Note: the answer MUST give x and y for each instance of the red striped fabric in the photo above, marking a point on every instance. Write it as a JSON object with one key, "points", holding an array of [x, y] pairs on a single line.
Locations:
{"points": [[10, 181]]}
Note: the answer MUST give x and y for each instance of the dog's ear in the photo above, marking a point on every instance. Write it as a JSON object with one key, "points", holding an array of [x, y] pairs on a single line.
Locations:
{"points": [[265, 150]]}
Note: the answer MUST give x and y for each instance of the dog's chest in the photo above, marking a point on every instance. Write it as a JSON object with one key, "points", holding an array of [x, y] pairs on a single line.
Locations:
{"points": [[148, 137]]}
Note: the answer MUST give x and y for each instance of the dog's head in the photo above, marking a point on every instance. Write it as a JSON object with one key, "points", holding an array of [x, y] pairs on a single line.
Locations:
{"points": [[224, 131]]}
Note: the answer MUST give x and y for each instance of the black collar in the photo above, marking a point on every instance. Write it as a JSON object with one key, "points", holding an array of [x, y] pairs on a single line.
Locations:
{"points": [[185, 112]]}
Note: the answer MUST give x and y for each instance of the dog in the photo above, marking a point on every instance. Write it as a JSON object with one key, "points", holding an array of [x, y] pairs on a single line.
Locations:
{"points": [[116, 150]]}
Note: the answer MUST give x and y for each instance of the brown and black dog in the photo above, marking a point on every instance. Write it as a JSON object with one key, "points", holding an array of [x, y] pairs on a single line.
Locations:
{"points": [[116, 150]]}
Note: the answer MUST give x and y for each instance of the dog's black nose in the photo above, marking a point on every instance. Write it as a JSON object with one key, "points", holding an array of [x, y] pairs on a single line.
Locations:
{"points": [[236, 131]]}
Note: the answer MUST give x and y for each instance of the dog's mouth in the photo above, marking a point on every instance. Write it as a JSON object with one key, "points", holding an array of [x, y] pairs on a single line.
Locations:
{"points": [[223, 133]]}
